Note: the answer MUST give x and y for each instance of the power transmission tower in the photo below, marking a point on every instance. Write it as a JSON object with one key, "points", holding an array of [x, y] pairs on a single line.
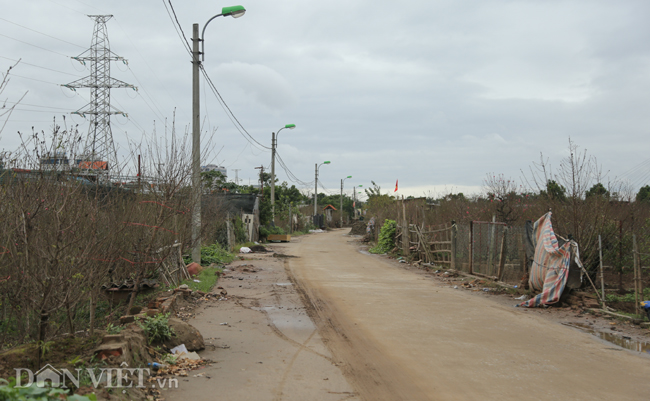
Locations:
{"points": [[236, 170], [99, 150]]}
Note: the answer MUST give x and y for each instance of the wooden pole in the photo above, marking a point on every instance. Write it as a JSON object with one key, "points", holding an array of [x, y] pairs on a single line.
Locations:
{"points": [[602, 276], [502, 253], [637, 272], [471, 238], [405, 230], [491, 245], [453, 245]]}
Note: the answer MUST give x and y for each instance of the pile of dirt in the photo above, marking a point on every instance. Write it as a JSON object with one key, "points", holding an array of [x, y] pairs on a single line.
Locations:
{"points": [[358, 228]]}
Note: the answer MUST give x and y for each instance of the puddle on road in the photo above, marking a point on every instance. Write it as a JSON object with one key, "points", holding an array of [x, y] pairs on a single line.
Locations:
{"points": [[633, 345]]}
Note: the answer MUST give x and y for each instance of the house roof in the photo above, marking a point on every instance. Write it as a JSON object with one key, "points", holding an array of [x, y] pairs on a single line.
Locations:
{"points": [[329, 207]]}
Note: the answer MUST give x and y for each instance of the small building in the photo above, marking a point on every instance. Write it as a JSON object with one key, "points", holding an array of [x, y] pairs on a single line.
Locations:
{"points": [[327, 211], [214, 167], [244, 206]]}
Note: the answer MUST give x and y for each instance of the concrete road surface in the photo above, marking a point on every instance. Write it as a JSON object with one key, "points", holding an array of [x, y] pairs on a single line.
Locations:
{"points": [[399, 336]]}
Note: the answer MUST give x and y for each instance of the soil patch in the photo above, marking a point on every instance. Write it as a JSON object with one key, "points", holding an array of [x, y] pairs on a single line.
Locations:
{"points": [[358, 228]]}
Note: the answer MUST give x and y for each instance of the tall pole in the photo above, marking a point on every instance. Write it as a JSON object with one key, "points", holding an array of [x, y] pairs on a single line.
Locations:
{"points": [[273, 140], [316, 191], [341, 205], [196, 149]]}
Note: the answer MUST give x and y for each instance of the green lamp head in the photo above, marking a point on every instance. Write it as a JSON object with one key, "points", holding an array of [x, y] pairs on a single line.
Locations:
{"points": [[233, 11], [349, 176], [290, 126], [327, 162]]}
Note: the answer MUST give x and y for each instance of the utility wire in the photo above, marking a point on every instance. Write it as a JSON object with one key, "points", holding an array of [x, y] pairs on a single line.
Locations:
{"points": [[177, 26], [41, 33], [292, 177], [35, 79], [230, 114], [38, 66], [29, 44]]}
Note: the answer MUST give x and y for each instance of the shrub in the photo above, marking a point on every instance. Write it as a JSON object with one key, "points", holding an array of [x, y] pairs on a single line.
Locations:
{"points": [[157, 328], [386, 237]]}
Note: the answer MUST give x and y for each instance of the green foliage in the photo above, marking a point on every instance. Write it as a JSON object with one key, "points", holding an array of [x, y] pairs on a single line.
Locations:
{"points": [[554, 191], [208, 278], [240, 230], [386, 237], [157, 327], [644, 194], [266, 231], [629, 297], [170, 359], [8, 392], [215, 253], [285, 196], [597, 190], [112, 329], [374, 191]]}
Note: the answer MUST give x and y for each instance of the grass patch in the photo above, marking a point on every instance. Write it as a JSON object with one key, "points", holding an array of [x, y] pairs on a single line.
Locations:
{"points": [[245, 244], [629, 297], [208, 278]]}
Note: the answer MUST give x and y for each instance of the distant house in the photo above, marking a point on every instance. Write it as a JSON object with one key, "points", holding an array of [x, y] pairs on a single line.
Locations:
{"points": [[327, 210], [244, 206], [214, 167]]}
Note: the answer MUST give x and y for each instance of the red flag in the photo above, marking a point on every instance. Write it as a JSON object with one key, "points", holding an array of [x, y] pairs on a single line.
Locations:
{"points": [[396, 181]]}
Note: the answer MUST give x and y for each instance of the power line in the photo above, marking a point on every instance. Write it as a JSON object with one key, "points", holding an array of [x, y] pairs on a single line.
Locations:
{"points": [[229, 112], [153, 73], [178, 27], [69, 8], [292, 177], [224, 105], [35, 79], [38, 66], [29, 44], [35, 105], [41, 33]]}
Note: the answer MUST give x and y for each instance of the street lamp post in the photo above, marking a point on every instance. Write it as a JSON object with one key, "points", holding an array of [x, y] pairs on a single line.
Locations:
{"points": [[341, 206], [316, 188], [274, 143], [235, 12]]}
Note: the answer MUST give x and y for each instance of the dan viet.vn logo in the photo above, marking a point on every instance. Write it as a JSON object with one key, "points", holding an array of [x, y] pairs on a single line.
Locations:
{"points": [[122, 377]]}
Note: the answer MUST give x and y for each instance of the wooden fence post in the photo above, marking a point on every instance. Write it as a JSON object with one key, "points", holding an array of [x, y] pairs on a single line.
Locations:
{"points": [[453, 244], [602, 276], [502, 254], [405, 231], [471, 238], [637, 275]]}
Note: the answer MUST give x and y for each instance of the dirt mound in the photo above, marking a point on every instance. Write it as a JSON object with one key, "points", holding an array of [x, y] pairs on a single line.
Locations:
{"points": [[358, 228], [186, 334], [259, 248]]}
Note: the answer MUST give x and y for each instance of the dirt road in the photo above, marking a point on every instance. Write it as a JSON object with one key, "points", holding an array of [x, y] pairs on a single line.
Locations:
{"points": [[399, 336]]}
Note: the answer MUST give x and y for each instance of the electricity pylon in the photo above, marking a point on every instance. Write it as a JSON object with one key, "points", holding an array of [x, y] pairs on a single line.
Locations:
{"points": [[99, 150]]}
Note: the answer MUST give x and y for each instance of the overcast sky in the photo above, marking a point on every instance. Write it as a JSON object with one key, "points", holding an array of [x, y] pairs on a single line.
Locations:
{"points": [[434, 93]]}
